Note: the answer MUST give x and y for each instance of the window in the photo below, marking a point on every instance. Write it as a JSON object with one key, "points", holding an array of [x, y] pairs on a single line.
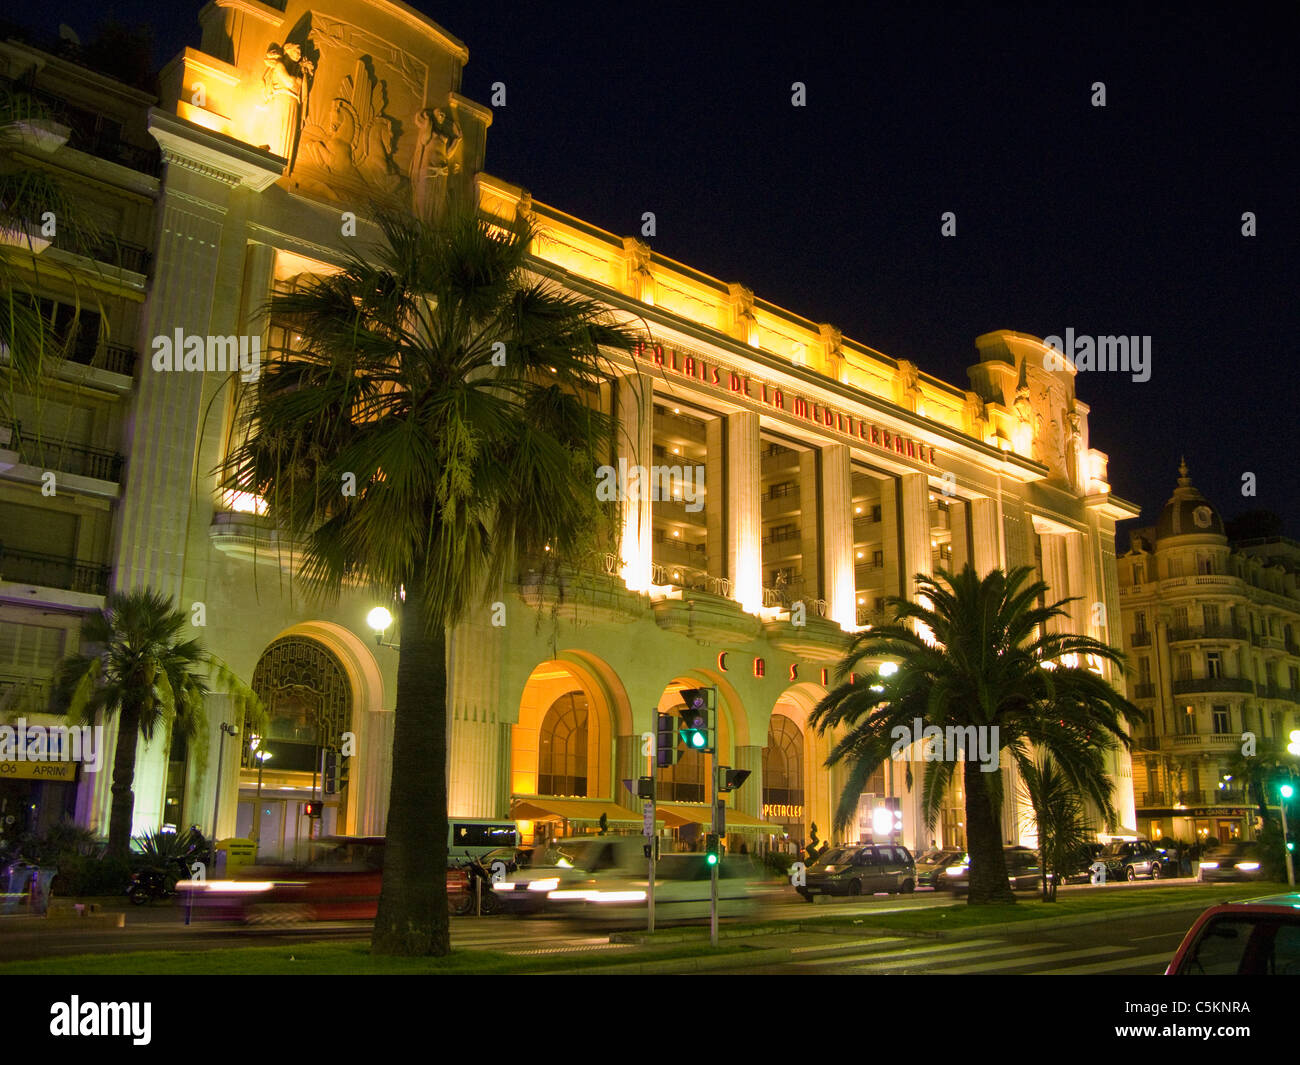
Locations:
{"points": [[1222, 719], [1180, 617], [1175, 567], [1144, 670], [562, 747], [1187, 721], [1205, 564], [875, 512], [1213, 664], [1185, 667], [1139, 573], [783, 768], [877, 558], [1210, 612]]}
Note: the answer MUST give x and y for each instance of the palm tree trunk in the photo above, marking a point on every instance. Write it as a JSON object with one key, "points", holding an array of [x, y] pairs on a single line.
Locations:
{"points": [[988, 864], [122, 806], [412, 918]]}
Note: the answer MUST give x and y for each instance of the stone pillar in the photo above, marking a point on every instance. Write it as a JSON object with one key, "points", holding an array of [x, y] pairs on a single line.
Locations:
{"points": [[715, 497], [748, 798], [634, 446], [836, 519], [810, 496], [478, 748], [958, 513], [986, 548], [914, 534], [629, 764], [370, 774], [744, 511]]}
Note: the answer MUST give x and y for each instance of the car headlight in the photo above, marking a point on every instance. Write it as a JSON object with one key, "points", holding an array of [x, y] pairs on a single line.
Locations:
{"points": [[1248, 867], [955, 870], [1209, 865]]}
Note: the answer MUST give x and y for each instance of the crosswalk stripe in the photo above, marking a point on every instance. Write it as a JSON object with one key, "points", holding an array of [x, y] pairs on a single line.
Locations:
{"points": [[1114, 965], [1012, 963], [871, 957], [872, 966]]}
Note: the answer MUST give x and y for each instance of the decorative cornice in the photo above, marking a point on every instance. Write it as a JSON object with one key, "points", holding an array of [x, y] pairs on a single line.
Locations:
{"points": [[213, 155]]}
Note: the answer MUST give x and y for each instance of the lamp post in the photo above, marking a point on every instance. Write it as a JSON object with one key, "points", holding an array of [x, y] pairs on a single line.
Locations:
{"points": [[379, 620], [227, 729], [262, 758], [1286, 792]]}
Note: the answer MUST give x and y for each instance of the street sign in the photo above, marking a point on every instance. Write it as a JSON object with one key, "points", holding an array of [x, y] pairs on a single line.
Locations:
{"points": [[648, 825]]}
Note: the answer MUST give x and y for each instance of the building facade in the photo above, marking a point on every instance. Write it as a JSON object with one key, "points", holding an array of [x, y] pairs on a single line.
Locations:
{"points": [[801, 477], [1212, 627]]}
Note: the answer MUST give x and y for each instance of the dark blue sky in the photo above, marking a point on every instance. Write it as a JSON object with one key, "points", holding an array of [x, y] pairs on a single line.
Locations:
{"points": [[1117, 220]]}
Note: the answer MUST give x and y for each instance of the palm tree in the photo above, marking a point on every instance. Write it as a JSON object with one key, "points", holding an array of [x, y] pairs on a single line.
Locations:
{"points": [[981, 662], [452, 387], [1059, 820], [137, 665]]}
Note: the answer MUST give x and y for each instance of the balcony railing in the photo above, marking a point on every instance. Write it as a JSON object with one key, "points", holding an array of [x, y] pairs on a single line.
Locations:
{"points": [[50, 571], [781, 536], [76, 459], [1213, 684], [1208, 632], [1140, 639], [1278, 691], [1145, 690]]}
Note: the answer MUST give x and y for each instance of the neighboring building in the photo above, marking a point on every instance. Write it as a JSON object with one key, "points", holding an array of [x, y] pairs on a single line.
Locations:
{"points": [[1212, 628], [832, 474]]}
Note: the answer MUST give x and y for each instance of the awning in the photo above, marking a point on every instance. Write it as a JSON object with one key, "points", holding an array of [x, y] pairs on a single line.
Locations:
{"points": [[545, 808], [677, 814]]}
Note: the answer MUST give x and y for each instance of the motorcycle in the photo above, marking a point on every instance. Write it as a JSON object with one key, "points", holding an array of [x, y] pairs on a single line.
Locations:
{"points": [[477, 891], [149, 884]]}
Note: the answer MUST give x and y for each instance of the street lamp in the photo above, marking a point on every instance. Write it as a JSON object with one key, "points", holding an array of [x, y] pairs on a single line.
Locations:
{"points": [[379, 620], [262, 758]]}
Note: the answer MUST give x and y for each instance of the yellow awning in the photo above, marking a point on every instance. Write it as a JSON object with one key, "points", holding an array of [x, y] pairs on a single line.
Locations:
{"points": [[545, 808], [677, 814]]}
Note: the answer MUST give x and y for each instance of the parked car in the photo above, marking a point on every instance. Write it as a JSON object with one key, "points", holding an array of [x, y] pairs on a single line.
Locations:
{"points": [[861, 869], [1130, 859], [1234, 861], [1258, 937], [1080, 870], [1023, 871], [931, 867]]}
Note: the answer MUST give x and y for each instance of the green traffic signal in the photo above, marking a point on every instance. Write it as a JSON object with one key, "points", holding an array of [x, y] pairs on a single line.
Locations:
{"points": [[712, 848], [1287, 791]]}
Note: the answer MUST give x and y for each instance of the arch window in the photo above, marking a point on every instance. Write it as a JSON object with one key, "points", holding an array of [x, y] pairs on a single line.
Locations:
{"points": [[562, 747]]}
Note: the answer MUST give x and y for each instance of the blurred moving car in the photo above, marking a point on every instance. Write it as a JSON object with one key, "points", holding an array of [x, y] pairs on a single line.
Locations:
{"points": [[1130, 859], [931, 867], [340, 882], [566, 861], [1257, 937], [1236, 861], [683, 887], [861, 869], [1023, 871]]}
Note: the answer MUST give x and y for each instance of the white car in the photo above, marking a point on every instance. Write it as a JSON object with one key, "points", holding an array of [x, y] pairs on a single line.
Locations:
{"points": [[682, 891], [566, 862]]}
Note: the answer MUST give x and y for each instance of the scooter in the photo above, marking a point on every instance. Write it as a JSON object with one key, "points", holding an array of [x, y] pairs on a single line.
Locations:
{"points": [[478, 893]]}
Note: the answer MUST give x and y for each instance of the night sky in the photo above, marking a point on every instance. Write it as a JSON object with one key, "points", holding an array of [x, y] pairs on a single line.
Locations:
{"points": [[1125, 219]]}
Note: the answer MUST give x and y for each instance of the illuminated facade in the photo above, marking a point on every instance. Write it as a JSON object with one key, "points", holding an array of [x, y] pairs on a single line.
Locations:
{"points": [[1212, 628], [807, 476]]}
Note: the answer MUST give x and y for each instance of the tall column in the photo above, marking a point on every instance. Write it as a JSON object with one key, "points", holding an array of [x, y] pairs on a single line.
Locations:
{"points": [[961, 545], [715, 497], [985, 546], [836, 521], [748, 798], [478, 746], [744, 511], [914, 531], [629, 764], [634, 446], [810, 494], [371, 774]]}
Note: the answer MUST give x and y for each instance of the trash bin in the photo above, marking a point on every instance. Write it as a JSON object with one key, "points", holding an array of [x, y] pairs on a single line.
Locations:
{"points": [[233, 855]]}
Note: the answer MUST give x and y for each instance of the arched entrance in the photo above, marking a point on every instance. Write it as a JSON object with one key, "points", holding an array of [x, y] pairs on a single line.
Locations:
{"points": [[564, 752], [310, 702]]}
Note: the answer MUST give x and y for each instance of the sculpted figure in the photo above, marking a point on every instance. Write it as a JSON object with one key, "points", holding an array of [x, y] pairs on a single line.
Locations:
{"points": [[436, 157], [285, 87]]}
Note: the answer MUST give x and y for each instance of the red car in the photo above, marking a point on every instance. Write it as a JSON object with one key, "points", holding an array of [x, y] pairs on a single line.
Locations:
{"points": [[1257, 937], [340, 883]]}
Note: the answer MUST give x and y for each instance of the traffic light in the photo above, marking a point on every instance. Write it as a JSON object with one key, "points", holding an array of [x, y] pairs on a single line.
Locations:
{"points": [[695, 718], [1287, 791], [712, 848], [331, 774], [665, 741], [313, 808], [730, 779]]}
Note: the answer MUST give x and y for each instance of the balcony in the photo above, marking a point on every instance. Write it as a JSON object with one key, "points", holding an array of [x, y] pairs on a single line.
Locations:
{"points": [[1140, 639], [1213, 742], [1192, 686], [1266, 642], [110, 251], [817, 640], [1146, 743], [1145, 690], [1208, 632], [1277, 691], [75, 459], [21, 694], [580, 595], [702, 615], [50, 571], [875, 618]]}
